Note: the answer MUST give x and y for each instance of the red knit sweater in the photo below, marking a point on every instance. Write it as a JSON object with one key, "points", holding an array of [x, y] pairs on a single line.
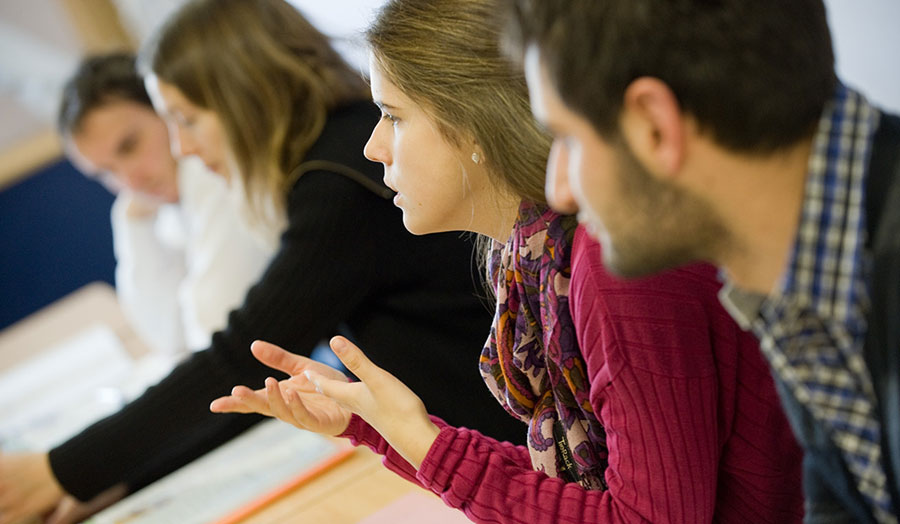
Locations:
{"points": [[694, 426]]}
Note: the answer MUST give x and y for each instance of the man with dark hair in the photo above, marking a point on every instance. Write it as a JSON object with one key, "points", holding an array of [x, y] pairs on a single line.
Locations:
{"points": [[717, 130], [185, 256]]}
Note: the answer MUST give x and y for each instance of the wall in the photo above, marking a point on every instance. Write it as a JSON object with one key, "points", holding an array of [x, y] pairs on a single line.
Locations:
{"points": [[866, 37], [55, 236]]}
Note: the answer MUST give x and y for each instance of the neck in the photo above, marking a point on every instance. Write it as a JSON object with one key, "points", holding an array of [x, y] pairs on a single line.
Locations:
{"points": [[760, 204], [500, 217]]}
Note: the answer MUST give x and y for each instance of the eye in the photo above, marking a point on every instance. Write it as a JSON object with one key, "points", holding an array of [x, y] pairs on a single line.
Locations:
{"points": [[387, 116], [128, 145], [184, 121]]}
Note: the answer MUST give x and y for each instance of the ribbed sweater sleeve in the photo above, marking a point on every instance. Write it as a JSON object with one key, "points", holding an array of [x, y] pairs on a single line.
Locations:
{"points": [[361, 433], [677, 451]]}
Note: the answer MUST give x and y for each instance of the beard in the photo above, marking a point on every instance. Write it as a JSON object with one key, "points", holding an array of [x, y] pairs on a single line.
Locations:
{"points": [[657, 225]]}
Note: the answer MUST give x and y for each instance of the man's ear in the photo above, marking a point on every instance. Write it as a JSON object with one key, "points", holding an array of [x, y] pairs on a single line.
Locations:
{"points": [[653, 126]]}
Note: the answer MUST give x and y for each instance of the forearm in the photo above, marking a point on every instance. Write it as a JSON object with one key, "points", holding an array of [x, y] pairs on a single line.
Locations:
{"points": [[168, 426], [301, 298], [493, 484], [359, 432]]}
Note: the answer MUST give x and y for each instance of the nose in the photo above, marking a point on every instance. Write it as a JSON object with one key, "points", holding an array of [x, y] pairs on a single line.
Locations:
{"points": [[181, 142], [376, 148], [133, 177], [556, 187]]}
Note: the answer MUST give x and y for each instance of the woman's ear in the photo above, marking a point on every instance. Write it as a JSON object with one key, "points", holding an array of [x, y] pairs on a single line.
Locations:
{"points": [[477, 155], [653, 126]]}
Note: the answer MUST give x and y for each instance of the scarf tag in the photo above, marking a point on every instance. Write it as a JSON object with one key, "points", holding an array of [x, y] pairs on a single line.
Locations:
{"points": [[565, 463]]}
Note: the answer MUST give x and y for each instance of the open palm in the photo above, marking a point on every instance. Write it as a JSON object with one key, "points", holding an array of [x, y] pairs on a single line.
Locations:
{"points": [[293, 400]]}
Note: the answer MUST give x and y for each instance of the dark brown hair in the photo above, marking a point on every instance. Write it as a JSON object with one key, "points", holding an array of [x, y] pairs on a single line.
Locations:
{"points": [[755, 74], [99, 80]]}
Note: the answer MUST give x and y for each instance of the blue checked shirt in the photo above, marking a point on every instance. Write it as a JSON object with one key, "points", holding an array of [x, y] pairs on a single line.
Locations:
{"points": [[812, 328]]}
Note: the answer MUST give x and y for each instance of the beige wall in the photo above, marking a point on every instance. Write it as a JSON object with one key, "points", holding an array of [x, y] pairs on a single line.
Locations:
{"points": [[40, 43]]}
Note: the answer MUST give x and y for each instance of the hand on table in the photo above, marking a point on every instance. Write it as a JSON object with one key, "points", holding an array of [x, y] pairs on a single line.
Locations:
{"points": [[320, 399], [28, 488], [71, 510]]}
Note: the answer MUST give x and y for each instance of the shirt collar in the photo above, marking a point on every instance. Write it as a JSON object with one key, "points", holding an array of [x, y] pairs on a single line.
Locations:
{"points": [[826, 262]]}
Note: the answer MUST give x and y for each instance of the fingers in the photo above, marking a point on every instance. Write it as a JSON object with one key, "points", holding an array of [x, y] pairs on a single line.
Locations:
{"points": [[298, 409], [229, 404], [287, 362], [242, 400], [12, 516], [355, 360], [277, 405], [70, 510], [275, 357], [287, 406], [349, 395]]}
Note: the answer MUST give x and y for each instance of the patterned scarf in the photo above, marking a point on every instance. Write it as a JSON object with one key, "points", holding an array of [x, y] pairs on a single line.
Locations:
{"points": [[532, 362]]}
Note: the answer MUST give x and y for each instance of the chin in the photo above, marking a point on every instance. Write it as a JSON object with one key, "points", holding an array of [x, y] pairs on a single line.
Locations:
{"points": [[413, 227], [418, 228]]}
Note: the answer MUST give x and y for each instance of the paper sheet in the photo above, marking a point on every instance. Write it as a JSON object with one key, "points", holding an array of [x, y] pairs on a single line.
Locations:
{"points": [[63, 389], [224, 480], [67, 387]]}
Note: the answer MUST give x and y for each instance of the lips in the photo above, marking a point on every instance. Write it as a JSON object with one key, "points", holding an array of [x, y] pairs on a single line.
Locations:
{"points": [[389, 185]]}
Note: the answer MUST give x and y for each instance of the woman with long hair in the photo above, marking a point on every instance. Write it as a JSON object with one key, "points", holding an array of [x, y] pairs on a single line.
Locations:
{"points": [[259, 95], [184, 256], [644, 401]]}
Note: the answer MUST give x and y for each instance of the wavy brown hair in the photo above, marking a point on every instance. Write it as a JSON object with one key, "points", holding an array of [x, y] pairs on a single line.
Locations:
{"points": [[269, 75]]}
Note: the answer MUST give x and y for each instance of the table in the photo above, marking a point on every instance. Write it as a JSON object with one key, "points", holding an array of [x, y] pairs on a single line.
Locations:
{"points": [[344, 494], [352, 490], [94, 303]]}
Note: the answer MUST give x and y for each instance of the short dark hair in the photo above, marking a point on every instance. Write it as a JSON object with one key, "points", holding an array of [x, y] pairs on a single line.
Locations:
{"points": [[99, 80], [755, 75]]}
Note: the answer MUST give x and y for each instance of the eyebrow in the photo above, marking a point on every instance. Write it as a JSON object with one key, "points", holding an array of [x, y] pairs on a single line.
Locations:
{"points": [[383, 106]]}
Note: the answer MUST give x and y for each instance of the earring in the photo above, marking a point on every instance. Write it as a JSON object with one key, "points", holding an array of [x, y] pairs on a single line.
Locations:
{"points": [[476, 158]]}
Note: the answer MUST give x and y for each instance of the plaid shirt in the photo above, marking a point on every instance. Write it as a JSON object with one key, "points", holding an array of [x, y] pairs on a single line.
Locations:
{"points": [[812, 329]]}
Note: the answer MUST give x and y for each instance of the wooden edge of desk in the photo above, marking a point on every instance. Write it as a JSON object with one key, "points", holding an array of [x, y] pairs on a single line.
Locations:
{"points": [[345, 494], [26, 156], [92, 304]]}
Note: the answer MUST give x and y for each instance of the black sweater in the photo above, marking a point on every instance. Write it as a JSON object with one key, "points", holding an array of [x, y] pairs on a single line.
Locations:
{"points": [[345, 261]]}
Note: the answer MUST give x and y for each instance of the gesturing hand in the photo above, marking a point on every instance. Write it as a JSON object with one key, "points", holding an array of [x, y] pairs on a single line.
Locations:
{"points": [[320, 399], [381, 400], [292, 400]]}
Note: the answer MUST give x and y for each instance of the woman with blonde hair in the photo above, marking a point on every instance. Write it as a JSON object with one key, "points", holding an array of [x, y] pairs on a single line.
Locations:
{"points": [[258, 94], [644, 401]]}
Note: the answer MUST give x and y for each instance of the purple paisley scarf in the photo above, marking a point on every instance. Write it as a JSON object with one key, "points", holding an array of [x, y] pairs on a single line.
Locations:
{"points": [[532, 362]]}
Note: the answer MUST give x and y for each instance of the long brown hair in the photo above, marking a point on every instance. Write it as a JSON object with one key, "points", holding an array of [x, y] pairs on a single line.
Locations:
{"points": [[269, 75], [445, 55]]}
